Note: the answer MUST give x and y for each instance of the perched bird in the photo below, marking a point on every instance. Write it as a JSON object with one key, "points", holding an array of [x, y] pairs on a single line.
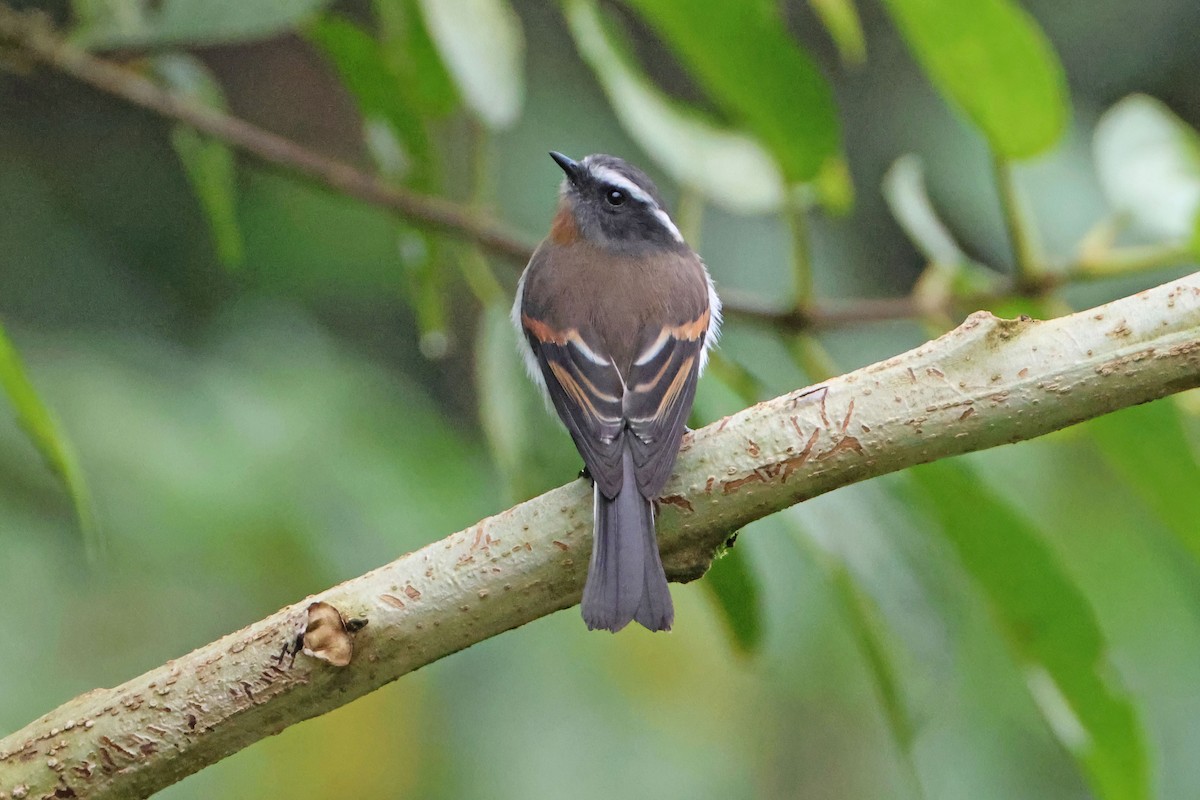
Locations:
{"points": [[618, 313]]}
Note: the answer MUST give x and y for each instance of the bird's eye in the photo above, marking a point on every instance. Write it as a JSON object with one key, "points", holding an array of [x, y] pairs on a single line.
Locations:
{"points": [[615, 197]]}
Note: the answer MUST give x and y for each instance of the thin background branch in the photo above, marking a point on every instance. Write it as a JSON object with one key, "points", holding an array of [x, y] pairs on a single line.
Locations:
{"points": [[30, 36]]}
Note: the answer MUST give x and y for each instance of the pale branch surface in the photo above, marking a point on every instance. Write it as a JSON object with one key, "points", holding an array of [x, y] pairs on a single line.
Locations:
{"points": [[988, 382]]}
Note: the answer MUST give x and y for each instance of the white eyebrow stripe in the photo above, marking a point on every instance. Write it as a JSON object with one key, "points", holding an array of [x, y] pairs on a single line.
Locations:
{"points": [[611, 176], [668, 224], [614, 178]]}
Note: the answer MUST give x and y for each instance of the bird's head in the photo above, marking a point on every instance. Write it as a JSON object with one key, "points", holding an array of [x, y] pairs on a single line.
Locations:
{"points": [[613, 204]]}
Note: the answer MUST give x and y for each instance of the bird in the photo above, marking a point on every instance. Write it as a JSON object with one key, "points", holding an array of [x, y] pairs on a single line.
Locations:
{"points": [[616, 315]]}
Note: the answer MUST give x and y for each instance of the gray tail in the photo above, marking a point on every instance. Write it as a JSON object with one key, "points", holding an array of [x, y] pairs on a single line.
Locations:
{"points": [[625, 577]]}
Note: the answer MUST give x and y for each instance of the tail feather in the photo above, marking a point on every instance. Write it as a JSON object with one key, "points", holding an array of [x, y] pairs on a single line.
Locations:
{"points": [[625, 576], [656, 611]]}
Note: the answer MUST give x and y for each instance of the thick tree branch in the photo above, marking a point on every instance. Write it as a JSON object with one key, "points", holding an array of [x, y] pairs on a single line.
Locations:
{"points": [[988, 382]]}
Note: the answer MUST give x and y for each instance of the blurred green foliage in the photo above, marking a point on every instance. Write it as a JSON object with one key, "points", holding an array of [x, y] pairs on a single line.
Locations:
{"points": [[271, 388], [752, 69], [993, 61]]}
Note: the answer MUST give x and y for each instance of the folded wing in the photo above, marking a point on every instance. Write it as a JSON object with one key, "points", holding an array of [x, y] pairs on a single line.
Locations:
{"points": [[587, 392], [659, 391], [647, 409]]}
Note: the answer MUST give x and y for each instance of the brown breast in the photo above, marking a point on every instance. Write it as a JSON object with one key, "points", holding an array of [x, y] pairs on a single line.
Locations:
{"points": [[619, 303]]}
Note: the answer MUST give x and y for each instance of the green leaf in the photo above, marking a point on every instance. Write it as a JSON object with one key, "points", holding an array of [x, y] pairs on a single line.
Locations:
{"points": [[188, 76], [873, 641], [743, 57], [108, 24], [426, 284], [1148, 161], [906, 197], [48, 437], [733, 587], [382, 94], [991, 60], [834, 186], [949, 271], [726, 167], [208, 163], [909, 633], [840, 18], [414, 58], [397, 133], [1049, 625], [528, 444], [210, 168], [1148, 447], [483, 47], [500, 379]]}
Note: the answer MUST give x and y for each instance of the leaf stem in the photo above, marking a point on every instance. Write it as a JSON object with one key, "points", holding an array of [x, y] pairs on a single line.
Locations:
{"points": [[802, 272], [1131, 259], [473, 263], [812, 357], [1021, 234]]}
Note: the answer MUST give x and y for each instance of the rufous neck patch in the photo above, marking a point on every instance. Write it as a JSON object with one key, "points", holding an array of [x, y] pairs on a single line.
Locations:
{"points": [[564, 230]]}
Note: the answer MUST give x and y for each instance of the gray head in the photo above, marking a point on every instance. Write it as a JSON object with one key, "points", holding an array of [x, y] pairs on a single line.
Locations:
{"points": [[616, 205]]}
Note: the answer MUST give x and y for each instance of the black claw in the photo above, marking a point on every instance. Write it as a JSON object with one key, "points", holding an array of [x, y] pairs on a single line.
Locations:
{"points": [[586, 475]]}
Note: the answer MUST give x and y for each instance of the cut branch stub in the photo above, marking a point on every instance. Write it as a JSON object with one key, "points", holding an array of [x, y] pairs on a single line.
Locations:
{"points": [[327, 635]]}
